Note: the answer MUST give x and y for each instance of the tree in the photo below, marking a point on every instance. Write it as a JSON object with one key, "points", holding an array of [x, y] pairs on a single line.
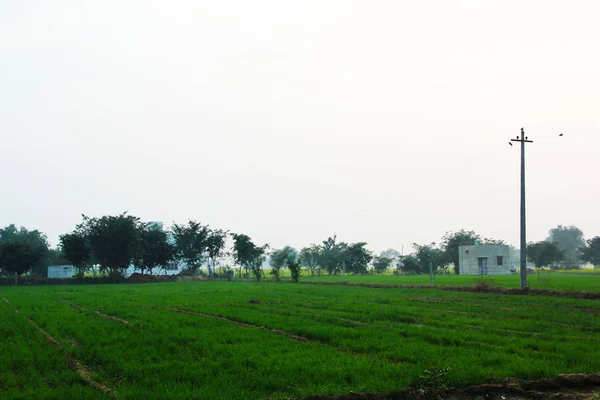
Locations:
{"points": [[381, 264], [214, 247], [331, 255], [114, 240], [395, 255], [76, 249], [591, 252], [154, 249], [451, 241], [191, 243], [295, 270], [309, 258], [429, 253], [570, 240], [282, 259], [409, 264], [356, 258], [21, 250], [544, 254], [248, 255]]}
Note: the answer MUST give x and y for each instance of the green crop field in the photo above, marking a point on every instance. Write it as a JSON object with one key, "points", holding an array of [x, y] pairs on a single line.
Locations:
{"points": [[239, 340], [573, 280]]}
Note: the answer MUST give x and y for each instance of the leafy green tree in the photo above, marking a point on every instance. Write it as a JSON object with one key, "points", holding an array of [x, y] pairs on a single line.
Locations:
{"points": [[331, 256], [391, 253], [295, 270], [570, 240], [451, 241], [114, 240], [154, 249], [21, 250], [281, 259], [191, 244], [429, 253], [356, 258], [309, 258], [215, 247], [248, 255], [409, 264], [591, 252], [76, 249], [381, 264], [544, 254]]}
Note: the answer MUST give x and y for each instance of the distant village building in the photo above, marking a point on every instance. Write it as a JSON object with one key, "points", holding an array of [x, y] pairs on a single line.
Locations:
{"points": [[60, 271], [485, 259]]}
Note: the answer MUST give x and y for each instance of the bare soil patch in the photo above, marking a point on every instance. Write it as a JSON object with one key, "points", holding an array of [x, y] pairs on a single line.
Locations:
{"points": [[562, 387], [142, 278]]}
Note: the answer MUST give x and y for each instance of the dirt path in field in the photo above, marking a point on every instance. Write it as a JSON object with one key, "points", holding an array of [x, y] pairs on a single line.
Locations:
{"points": [[562, 387], [473, 289], [121, 321], [8, 302], [74, 365], [286, 334]]}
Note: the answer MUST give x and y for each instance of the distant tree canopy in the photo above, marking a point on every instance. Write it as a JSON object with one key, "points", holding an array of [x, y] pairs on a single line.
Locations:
{"points": [[248, 255], [410, 264], [544, 254], [570, 240], [154, 250], [114, 240], [591, 251], [76, 248], [309, 258], [191, 244], [381, 264], [282, 258], [21, 250], [215, 247], [391, 253], [429, 254]]}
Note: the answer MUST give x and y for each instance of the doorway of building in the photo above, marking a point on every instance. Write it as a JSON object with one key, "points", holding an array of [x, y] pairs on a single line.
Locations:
{"points": [[482, 263]]}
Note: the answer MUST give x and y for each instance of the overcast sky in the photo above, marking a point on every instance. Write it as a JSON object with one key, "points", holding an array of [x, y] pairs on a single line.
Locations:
{"points": [[382, 121]]}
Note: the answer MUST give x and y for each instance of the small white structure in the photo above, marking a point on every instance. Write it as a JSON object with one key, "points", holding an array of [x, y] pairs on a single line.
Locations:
{"points": [[60, 271], [485, 259]]}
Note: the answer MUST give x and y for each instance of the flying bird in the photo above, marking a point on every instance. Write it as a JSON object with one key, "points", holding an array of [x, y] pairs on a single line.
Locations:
{"points": [[561, 134]]}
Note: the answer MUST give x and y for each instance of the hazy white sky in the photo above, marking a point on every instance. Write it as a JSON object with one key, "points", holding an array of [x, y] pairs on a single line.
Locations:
{"points": [[284, 119]]}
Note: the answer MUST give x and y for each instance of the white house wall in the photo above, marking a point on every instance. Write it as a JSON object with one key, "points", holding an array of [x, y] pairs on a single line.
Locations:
{"points": [[468, 259]]}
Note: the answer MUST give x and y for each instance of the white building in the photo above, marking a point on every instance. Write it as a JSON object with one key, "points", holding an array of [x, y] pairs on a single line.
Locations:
{"points": [[485, 259], [60, 271]]}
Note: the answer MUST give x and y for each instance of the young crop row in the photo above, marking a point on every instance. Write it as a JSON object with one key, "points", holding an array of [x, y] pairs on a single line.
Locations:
{"points": [[245, 340], [30, 367], [572, 281]]}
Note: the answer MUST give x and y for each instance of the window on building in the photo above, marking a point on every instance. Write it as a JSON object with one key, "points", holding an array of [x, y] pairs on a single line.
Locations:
{"points": [[499, 260], [172, 266]]}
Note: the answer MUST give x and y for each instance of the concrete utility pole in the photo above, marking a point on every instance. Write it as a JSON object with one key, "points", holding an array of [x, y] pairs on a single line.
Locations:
{"points": [[523, 139]]}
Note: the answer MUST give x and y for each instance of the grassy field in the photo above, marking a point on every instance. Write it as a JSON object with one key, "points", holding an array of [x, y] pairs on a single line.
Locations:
{"points": [[576, 281], [239, 340]]}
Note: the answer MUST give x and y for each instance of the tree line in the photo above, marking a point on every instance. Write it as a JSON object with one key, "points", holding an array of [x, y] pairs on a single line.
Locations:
{"points": [[109, 245]]}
